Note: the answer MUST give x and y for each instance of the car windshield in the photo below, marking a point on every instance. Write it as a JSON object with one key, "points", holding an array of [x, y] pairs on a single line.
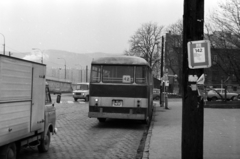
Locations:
{"points": [[82, 87]]}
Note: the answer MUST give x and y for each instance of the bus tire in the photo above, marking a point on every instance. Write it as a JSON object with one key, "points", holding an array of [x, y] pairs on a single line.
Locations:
{"points": [[101, 120], [146, 121], [8, 151], [45, 142]]}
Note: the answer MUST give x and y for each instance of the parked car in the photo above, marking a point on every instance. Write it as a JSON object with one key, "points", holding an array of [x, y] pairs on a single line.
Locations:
{"points": [[81, 91], [156, 94], [219, 93]]}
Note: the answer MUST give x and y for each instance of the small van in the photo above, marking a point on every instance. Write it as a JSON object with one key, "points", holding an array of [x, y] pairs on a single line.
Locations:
{"points": [[81, 91]]}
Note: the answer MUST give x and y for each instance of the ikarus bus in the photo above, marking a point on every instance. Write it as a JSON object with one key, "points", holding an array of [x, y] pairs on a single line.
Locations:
{"points": [[121, 88]]}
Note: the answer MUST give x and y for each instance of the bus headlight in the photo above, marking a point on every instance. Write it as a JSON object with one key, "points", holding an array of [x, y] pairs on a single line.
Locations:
{"points": [[96, 101]]}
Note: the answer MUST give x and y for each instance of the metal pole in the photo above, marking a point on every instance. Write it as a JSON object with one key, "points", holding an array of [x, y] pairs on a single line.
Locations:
{"points": [[42, 57], [166, 97], [65, 70], [65, 65], [80, 71], [3, 43], [86, 73], [192, 103], [81, 75], [161, 88]]}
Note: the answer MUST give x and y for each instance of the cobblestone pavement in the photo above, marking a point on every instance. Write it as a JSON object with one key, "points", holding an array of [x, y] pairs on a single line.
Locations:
{"points": [[80, 137]]}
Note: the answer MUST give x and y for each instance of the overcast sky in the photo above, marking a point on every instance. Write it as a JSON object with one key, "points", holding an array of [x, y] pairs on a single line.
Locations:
{"points": [[82, 26]]}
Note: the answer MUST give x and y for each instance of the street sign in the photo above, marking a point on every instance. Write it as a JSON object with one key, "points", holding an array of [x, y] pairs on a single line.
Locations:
{"points": [[167, 83], [199, 54], [165, 77]]}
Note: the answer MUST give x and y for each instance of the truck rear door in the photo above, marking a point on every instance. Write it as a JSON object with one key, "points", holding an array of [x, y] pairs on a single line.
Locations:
{"points": [[38, 97]]}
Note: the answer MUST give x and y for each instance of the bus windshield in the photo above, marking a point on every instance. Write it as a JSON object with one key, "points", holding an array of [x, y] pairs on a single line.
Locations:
{"points": [[118, 74]]}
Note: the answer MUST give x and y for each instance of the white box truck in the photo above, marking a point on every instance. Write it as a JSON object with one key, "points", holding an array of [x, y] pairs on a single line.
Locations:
{"points": [[27, 114]]}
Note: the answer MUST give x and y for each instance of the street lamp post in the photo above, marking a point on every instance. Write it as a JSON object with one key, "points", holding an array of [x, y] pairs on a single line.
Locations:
{"points": [[80, 70], [3, 43], [161, 71], [65, 67], [41, 52]]}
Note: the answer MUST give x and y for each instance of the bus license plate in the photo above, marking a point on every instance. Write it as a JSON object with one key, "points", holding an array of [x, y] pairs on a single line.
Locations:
{"points": [[117, 103]]}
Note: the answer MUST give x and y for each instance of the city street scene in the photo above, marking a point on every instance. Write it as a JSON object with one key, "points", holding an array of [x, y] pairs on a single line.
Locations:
{"points": [[81, 137], [120, 79]]}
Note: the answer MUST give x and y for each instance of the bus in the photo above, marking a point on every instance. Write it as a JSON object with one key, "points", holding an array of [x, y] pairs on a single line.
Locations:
{"points": [[121, 87]]}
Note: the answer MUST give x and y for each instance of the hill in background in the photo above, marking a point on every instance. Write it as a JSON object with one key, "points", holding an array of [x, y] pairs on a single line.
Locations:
{"points": [[56, 58]]}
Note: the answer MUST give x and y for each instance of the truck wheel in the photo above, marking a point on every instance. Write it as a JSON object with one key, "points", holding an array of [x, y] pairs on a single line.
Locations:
{"points": [[75, 99], [45, 143], [8, 151]]}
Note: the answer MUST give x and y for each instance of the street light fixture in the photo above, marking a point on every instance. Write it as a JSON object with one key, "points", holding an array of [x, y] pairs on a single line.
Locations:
{"points": [[65, 66], [3, 43], [41, 52]]}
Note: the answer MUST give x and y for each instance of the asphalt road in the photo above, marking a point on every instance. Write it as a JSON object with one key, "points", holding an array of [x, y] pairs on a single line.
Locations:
{"points": [[80, 137]]}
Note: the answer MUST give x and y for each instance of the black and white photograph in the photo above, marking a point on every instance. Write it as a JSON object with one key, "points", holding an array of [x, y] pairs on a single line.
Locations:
{"points": [[120, 79]]}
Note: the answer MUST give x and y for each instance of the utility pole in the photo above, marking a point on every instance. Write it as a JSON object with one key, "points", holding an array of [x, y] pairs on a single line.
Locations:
{"points": [[192, 104], [86, 73], [3, 43], [162, 87]]}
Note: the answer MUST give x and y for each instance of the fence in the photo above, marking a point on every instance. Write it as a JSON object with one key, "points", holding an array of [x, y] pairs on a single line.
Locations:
{"points": [[72, 74]]}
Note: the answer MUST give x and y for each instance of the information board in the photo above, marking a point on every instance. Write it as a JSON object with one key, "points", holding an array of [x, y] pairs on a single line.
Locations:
{"points": [[199, 54]]}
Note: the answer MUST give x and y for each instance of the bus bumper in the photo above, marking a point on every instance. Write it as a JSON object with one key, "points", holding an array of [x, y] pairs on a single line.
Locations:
{"points": [[116, 115]]}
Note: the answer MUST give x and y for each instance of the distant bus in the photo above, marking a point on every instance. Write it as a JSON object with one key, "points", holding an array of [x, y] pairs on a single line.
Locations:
{"points": [[58, 86], [121, 87]]}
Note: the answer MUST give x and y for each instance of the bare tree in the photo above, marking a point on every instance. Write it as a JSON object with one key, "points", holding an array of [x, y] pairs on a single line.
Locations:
{"points": [[144, 43], [223, 30], [173, 48]]}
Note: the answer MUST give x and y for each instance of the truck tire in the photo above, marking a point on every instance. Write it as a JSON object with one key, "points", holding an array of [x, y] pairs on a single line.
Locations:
{"points": [[45, 143], [8, 151]]}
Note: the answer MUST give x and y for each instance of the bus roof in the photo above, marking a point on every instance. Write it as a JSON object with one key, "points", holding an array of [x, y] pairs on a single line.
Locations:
{"points": [[120, 60]]}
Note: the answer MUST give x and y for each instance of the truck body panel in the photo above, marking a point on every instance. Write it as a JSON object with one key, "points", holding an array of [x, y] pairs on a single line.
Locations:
{"points": [[22, 98]]}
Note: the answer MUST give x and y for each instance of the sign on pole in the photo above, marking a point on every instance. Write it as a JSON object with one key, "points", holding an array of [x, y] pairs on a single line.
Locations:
{"points": [[199, 54]]}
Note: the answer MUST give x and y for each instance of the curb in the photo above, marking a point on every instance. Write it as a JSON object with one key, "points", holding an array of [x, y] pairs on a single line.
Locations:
{"points": [[222, 104], [149, 135]]}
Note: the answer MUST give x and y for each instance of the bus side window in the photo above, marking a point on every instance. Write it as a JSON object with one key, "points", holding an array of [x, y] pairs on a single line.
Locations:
{"points": [[141, 75], [96, 73]]}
